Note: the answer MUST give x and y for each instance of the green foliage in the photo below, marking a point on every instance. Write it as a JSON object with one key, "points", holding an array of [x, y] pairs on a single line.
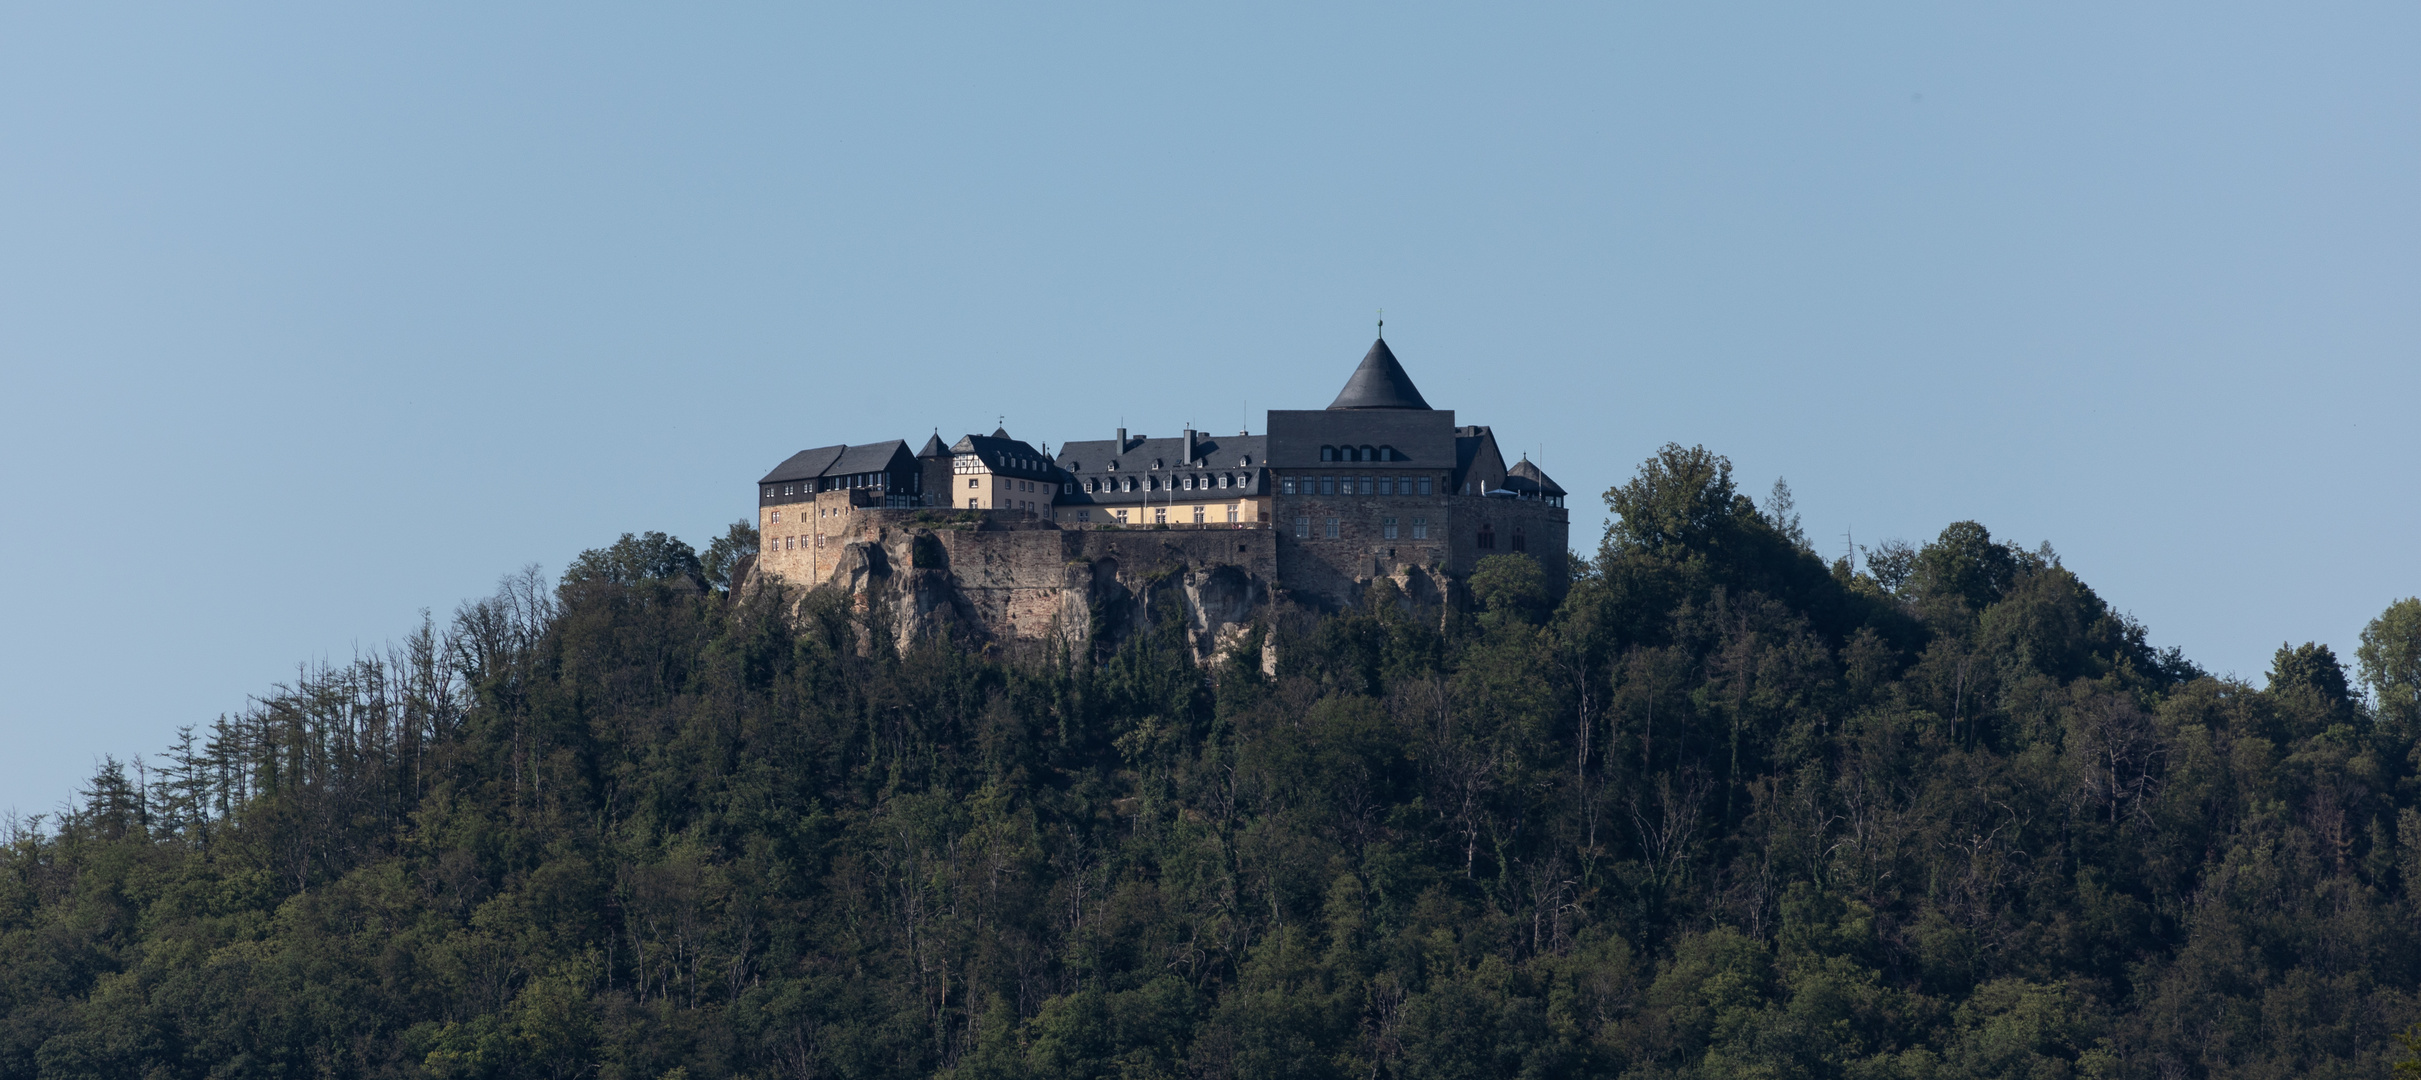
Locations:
{"points": [[650, 556], [2390, 660], [1724, 811], [724, 554]]}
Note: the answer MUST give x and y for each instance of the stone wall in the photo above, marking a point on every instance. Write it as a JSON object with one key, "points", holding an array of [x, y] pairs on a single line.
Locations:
{"points": [[1546, 533], [1004, 577], [1333, 573]]}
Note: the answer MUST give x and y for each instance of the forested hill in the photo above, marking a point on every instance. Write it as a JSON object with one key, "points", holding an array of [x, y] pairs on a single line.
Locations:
{"points": [[1724, 811]]}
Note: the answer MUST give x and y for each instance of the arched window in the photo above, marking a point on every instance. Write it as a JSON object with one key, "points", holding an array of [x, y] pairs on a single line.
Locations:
{"points": [[1487, 537]]}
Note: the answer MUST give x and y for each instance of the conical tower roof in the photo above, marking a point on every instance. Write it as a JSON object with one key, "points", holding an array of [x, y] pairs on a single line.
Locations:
{"points": [[1529, 470], [933, 447], [1380, 383]]}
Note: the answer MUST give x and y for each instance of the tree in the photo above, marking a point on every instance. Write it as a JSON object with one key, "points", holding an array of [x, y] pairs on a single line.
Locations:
{"points": [[649, 556], [2390, 661], [723, 556]]}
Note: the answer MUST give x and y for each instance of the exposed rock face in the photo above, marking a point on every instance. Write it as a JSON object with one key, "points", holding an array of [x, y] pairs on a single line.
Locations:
{"points": [[986, 582]]}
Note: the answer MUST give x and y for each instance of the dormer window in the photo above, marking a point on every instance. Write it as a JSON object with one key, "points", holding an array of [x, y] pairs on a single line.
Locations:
{"points": [[1387, 453], [1328, 453], [1244, 462]]}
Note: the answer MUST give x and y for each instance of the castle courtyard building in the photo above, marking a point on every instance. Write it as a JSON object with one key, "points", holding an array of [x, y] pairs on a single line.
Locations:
{"points": [[1378, 485]]}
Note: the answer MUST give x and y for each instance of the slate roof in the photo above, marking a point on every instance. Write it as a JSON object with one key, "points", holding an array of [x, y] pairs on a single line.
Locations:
{"points": [[1241, 457], [1526, 477], [1420, 438], [804, 465], [1006, 456], [839, 460], [1380, 383], [1467, 443], [933, 447]]}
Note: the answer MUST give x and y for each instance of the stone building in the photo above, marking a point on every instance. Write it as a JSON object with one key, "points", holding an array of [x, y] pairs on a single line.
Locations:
{"points": [[808, 501], [1377, 486]]}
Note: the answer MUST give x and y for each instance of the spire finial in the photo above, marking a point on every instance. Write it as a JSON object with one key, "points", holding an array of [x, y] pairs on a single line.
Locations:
{"points": [[1382, 324]]}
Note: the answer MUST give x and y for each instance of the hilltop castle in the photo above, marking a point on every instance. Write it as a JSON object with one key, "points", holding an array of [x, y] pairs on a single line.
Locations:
{"points": [[1378, 486]]}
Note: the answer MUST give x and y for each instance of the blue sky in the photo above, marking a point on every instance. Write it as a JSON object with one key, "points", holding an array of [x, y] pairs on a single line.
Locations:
{"points": [[312, 317]]}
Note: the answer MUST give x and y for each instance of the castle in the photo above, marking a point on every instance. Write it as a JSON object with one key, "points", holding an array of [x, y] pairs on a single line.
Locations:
{"points": [[1007, 540]]}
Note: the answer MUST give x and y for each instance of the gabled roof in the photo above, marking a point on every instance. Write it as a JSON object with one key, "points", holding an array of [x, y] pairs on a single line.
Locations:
{"points": [[1527, 472], [870, 458], [1237, 458], [1217, 452], [933, 447], [1006, 456], [804, 465], [838, 461], [1380, 383]]}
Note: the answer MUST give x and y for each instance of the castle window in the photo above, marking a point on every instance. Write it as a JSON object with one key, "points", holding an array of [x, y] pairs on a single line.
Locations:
{"points": [[1387, 528], [1332, 528], [769, 493], [974, 503], [1387, 453], [973, 482], [1303, 528], [1518, 544], [1122, 517], [1420, 528], [1084, 515], [1487, 537], [777, 517], [1189, 483], [1328, 453], [1365, 485], [1068, 488], [1370, 453], [1328, 485], [1424, 485], [1227, 481], [1286, 485], [1160, 516], [1244, 462], [1198, 514], [1386, 485]]}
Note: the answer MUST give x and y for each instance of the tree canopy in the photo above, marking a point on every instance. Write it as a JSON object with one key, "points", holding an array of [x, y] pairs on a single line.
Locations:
{"points": [[1724, 811]]}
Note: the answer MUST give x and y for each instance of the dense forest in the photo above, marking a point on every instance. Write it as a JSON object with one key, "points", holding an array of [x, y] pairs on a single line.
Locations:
{"points": [[1723, 811]]}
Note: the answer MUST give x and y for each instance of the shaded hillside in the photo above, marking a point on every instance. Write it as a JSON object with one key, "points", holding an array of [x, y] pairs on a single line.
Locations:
{"points": [[1725, 811]]}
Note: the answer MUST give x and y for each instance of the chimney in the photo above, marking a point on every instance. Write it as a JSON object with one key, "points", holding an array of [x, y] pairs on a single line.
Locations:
{"points": [[1189, 446], [1122, 440]]}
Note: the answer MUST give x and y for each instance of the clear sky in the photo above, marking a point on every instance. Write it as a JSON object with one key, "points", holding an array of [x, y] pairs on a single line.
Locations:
{"points": [[312, 317]]}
